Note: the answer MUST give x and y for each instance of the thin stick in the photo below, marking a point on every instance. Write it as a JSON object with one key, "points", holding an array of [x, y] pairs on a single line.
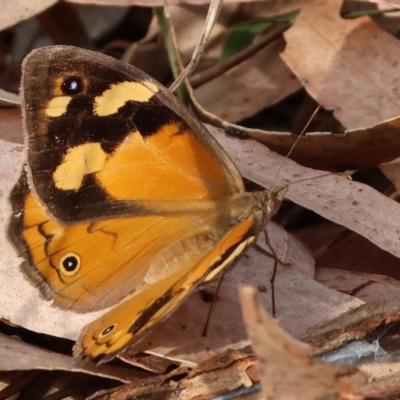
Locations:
{"points": [[218, 69], [213, 11]]}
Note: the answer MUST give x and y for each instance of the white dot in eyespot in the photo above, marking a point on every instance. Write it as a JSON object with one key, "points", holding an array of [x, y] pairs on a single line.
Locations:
{"points": [[73, 85]]}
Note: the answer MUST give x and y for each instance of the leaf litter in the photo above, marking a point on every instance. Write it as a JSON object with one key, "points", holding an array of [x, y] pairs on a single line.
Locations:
{"points": [[331, 58]]}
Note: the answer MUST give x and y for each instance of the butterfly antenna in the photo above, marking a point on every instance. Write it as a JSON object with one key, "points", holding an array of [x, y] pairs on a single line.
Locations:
{"points": [[299, 137], [276, 191], [279, 188]]}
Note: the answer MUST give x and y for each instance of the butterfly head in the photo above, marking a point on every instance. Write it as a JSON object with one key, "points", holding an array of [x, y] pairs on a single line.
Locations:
{"points": [[273, 199]]}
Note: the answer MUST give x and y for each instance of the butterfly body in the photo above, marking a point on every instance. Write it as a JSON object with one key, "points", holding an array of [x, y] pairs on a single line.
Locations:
{"points": [[126, 201]]}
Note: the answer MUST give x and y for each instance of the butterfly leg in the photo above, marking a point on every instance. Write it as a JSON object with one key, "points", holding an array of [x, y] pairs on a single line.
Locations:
{"points": [[272, 254]]}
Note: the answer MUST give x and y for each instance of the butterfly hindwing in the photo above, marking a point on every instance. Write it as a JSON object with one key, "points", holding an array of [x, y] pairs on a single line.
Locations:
{"points": [[115, 330]]}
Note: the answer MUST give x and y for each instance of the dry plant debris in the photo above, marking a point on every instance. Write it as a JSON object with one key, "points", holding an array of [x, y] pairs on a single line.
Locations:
{"points": [[342, 281], [285, 367]]}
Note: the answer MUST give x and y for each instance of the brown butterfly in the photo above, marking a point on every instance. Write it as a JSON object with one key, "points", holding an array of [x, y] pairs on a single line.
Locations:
{"points": [[126, 200]]}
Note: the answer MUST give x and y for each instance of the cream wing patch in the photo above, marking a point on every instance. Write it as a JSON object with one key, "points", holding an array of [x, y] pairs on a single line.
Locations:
{"points": [[236, 253], [78, 162], [58, 106], [117, 95]]}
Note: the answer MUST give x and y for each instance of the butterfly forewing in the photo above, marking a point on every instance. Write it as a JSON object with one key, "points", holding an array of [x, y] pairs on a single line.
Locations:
{"points": [[103, 135]]}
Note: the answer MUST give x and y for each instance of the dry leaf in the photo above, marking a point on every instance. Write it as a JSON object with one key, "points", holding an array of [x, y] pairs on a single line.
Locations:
{"points": [[285, 367], [256, 83], [356, 324], [386, 3], [15, 355], [218, 375], [352, 149], [328, 54], [16, 11], [151, 3], [188, 21], [11, 125], [367, 287], [337, 247], [385, 387]]}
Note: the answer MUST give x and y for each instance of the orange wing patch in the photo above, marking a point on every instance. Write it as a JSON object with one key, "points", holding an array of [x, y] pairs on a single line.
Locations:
{"points": [[169, 164], [93, 265]]}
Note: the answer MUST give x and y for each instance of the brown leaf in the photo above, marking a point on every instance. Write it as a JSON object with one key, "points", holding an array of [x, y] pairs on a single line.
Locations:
{"points": [[16, 355], [11, 125], [151, 3], [367, 287], [286, 369], [392, 172], [328, 54], [18, 10], [349, 251], [256, 83], [353, 149], [356, 324]]}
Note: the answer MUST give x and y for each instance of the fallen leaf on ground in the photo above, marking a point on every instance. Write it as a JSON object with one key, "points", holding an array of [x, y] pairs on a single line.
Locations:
{"points": [[327, 54], [285, 367]]}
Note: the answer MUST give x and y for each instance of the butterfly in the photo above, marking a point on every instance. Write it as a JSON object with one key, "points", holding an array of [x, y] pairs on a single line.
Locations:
{"points": [[126, 202]]}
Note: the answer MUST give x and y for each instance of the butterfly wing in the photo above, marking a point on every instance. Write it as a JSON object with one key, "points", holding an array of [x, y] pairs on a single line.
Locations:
{"points": [[156, 263], [111, 333], [71, 262], [104, 139], [131, 203]]}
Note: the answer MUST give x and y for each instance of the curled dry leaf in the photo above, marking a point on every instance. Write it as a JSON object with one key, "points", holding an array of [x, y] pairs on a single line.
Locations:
{"points": [[285, 367], [353, 149], [328, 54]]}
